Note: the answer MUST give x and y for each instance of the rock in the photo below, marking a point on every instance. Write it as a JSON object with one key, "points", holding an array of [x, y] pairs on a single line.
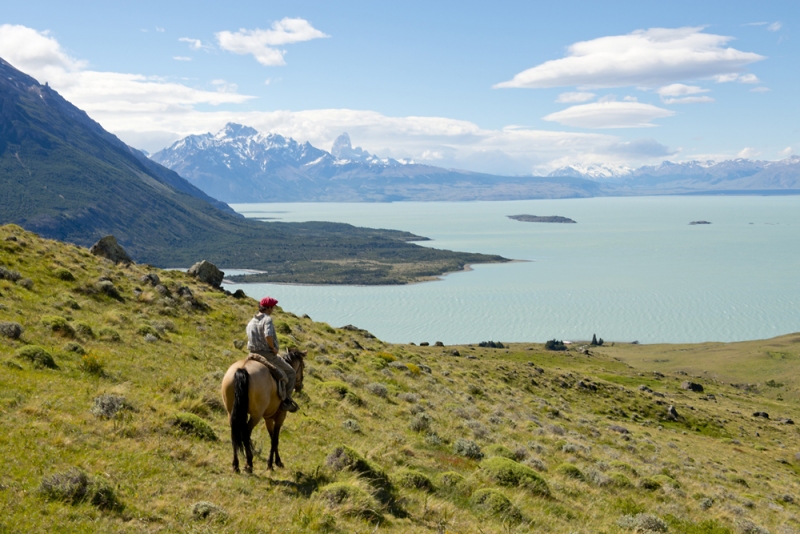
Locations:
{"points": [[645, 389], [207, 273], [151, 279], [438, 344], [618, 428], [424, 344], [454, 352], [586, 385], [239, 294], [108, 248], [238, 343], [786, 421], [672, 413], [185, 292], [765, 415], [692, 386]]}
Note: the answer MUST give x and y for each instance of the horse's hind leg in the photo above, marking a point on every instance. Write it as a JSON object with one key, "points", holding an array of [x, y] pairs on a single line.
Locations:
{"points": [[248, 445], [235, 460]]}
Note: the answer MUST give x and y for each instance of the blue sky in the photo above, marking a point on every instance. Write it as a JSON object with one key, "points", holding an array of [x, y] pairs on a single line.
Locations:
{"points": [[503, 87]]}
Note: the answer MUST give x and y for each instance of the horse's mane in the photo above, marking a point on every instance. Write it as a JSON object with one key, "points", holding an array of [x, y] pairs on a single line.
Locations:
{"points": [[293, 355]]}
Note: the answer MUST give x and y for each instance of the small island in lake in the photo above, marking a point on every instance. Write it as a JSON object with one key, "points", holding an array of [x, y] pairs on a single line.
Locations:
{"points": [[699, 222], [538, 218]]}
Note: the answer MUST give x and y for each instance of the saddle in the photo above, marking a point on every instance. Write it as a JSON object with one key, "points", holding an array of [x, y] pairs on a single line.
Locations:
{"points": [[277, 374]]}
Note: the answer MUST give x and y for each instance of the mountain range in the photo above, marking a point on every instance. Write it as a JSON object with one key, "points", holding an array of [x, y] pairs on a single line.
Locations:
{"points": [[239, 164], [63, 176]]}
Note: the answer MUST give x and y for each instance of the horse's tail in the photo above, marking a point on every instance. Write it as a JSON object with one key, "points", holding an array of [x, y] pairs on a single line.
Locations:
{"points": [[239, 434]]}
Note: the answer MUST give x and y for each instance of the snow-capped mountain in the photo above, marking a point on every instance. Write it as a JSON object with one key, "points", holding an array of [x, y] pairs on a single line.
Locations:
{"points": [[740, 175], [238, 165]]}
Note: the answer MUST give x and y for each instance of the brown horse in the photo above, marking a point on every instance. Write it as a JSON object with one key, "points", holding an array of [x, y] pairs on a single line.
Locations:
{"points": [[248, 388]]}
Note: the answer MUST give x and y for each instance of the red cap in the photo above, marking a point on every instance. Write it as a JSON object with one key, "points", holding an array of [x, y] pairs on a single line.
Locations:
{"points": [[267, 302]]}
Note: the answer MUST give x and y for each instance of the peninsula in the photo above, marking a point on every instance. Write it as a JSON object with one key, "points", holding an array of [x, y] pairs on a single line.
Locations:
{"points": [[541, 219]]}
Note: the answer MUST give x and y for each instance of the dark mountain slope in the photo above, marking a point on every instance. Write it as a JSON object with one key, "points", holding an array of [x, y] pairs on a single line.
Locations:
{"points": [[63, 176]]}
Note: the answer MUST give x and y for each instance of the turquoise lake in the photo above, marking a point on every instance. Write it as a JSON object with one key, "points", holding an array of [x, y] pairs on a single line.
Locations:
{"points": [[630, 269]]}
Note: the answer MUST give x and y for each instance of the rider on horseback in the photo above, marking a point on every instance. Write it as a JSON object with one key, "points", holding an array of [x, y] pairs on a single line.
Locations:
{"points": [[262, 340]]}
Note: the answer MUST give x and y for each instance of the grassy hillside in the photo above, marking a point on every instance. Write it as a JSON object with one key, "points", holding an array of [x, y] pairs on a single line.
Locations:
{"points": [[123, 430]]}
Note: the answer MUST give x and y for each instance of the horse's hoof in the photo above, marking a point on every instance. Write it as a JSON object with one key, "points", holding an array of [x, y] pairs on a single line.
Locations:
{"points": [[279, 464], [249, 469]]}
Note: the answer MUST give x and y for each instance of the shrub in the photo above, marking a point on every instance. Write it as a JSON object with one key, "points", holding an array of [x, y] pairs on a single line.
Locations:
{"points": [[378, 390], [108, 405], [335, 389], [37, 356], [570, 471], [351, 499], [11, 276], [555, 344], [189, 423], [619, 480], [58, 325], [146, 329], [351, 425], [668, 480], [93, 365], [344, 457], [27, 283], [408, 397], [420, 422], [408, 478], [64, 274], [413, 369], [283, 328], [109, 334], [11, 330], [75, 486], [501, 451], [492, 502], [643, 523], [385, 356], [450, 480], [432, 438], [649, 484], [84, 330], [467, 448], [510, 473], [491, 344], [204, 510], [77, 348]]}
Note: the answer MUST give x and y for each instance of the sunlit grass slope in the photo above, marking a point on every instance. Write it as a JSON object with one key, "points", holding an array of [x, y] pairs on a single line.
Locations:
{"points": [[110, 421]]}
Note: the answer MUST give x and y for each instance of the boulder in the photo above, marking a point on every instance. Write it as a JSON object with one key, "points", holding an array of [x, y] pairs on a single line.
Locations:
{"points": [[765, 415], [207, 273], [672, 413], [108, 248], [692, 386]]}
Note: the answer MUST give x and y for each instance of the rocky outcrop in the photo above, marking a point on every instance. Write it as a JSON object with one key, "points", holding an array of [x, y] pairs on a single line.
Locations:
{"points": [[692, 386], [207, 273], [108, 248]]}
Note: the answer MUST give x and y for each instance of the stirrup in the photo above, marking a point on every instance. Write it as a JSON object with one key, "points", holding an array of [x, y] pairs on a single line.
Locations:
{"points": [[289, 405]]}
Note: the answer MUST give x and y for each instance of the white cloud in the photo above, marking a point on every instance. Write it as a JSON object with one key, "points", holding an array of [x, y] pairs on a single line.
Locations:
{"points": [[749, 78], [261, 43], [181, 58], [688, 100], [760, 90], [194, 44], [630, 99], [679, 89], [159, 29], [610, 115], [741, 78], [574, 97], [787, 151], [747, 153], [99, 93], [643, 58], [775, 26]]}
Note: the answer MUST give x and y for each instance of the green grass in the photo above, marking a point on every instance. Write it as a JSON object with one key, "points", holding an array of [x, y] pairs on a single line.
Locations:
{"points": [[139, 421]]}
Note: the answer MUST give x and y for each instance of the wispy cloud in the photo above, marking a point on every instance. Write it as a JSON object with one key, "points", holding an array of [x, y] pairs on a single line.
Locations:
{"points": [[261, 44], [678, 93], [689, 100], [610, 115], [748, 153], [761, 89], [195, 44], [775, 26], [643, 58], [181, 58], [574, 98]]}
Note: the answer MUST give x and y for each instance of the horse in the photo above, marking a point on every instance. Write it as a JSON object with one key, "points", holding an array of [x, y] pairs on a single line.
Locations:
{"points": [[248, 388]]}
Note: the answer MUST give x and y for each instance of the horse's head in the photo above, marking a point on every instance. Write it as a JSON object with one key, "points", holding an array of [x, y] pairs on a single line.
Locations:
{"points": [[297, 361]]}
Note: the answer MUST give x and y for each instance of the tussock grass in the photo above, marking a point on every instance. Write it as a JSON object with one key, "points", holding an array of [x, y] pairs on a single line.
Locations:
{"points": [[455, 447]]}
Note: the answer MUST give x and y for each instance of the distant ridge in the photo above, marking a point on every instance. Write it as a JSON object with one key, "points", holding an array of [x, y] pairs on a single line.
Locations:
{"points": [[238, 164]]}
